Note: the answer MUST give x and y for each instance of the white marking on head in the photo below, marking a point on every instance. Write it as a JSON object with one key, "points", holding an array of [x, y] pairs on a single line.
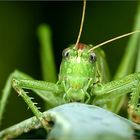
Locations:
{"points": [[78, 59]]}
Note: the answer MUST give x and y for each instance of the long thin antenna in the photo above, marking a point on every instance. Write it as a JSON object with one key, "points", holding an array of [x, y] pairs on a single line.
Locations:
{"points": [[113, 39], [82, 22]]}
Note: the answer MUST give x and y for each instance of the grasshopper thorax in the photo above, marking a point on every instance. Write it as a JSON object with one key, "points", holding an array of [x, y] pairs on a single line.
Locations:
{"points": [[77, 72]]}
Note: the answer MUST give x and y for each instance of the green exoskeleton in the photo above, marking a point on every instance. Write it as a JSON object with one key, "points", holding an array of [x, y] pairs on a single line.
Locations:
{"points": [[83, 77]]}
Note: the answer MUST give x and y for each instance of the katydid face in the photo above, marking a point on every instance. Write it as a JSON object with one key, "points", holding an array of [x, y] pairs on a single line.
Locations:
{"points": [[77, 69]]}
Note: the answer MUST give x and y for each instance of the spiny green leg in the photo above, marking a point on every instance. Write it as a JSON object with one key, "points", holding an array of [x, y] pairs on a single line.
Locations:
{"points": [[127, 64], [30, 103], [108, 92], [19, 84], [7, 90], [45, 90], [50, 92]]}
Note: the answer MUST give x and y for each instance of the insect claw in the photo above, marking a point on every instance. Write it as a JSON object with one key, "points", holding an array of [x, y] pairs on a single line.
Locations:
{"points": [[35, 103]]}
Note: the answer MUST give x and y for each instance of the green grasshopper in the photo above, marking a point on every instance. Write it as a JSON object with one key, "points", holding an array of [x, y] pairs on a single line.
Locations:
{"points": [[83, 78]]}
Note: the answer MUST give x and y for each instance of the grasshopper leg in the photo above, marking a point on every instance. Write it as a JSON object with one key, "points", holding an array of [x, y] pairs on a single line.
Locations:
{"points": [[20, 80], [29, 102], [110, 91]]}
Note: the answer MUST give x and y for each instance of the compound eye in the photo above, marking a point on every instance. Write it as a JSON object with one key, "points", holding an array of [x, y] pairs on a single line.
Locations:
{"points": [[92, 57], [65, 53]]}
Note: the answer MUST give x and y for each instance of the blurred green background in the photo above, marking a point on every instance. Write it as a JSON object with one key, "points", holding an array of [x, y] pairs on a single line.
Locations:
{"points": [[19, 46]]}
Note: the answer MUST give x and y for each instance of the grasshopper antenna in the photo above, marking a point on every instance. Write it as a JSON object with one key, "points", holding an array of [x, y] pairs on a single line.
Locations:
{"points": [[82, 22], [113, 39]]}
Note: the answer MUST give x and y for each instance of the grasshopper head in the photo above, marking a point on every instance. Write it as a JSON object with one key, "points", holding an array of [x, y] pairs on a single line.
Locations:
{"points": [[77, 71]]}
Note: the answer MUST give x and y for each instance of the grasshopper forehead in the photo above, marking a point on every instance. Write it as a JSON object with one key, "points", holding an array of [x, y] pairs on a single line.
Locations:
{"points": [[81, 46]]}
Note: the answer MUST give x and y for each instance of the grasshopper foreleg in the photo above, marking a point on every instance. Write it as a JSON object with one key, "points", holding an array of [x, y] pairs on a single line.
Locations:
{"points": [[111, 90], [19, 81]]}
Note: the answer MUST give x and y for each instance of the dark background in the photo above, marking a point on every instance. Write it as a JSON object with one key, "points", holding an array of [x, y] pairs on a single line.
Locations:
{"points": [[19, 46]]}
